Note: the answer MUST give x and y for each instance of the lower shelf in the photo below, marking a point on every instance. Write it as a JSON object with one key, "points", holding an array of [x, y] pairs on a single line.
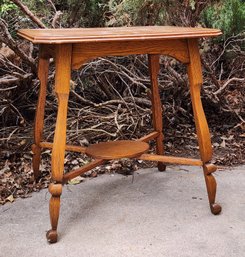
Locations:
{"points": [[117, 149]]}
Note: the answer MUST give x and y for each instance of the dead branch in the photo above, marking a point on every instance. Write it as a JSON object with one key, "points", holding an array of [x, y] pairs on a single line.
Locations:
{"points": [[140, 101], [233, 40], [9, 80], [221, 89], [6, 38], [211, 73], [8, 88], [56, 18], [28, 12], [53, 6], [82, 99]]}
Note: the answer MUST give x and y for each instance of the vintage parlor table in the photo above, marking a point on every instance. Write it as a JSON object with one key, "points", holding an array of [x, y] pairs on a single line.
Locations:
{"points": [[71, 48]]}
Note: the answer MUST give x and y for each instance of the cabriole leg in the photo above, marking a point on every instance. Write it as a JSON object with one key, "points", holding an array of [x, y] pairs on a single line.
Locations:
{"points": [[204, 140], [62, 86], [154, 67], [43, 68]]}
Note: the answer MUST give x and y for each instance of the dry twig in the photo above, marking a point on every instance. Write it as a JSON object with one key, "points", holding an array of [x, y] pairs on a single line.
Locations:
{"points": [[29, 13]]}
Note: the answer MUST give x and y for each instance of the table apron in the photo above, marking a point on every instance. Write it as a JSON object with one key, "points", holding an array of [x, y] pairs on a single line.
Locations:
{"points": [[83, 52]]}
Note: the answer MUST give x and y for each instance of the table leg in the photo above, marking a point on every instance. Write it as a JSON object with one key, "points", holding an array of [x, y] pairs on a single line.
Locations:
{"points": [[154, 67], [43, 68], [204, 140], [62, 87]]}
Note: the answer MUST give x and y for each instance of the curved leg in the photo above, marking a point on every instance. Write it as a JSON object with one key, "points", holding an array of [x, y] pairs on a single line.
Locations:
{"points": [[43, 68], [62, 86], [156, 106], [204, 141]]}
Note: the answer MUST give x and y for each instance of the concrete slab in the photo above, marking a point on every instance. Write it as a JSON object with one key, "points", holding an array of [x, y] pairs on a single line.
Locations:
{"points": [[160, 214]]}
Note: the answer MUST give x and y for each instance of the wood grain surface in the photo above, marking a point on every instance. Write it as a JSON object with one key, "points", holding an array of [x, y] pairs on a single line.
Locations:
{"points": [[75, 35], [117, 149]]}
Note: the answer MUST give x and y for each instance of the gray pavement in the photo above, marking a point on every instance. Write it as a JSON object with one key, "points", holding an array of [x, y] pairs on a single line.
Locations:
{"points": [[160, 214]]}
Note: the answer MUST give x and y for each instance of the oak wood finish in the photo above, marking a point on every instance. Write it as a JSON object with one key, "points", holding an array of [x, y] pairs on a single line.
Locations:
{"points": [[62, 87], [71, 148], [154, 67], [84, 52], [74, 173], [90, 35], [43, 68], [171, 159], [149, 137], [71, 48], [54, 210], [117, 149], [203, 135], [211, 187]]}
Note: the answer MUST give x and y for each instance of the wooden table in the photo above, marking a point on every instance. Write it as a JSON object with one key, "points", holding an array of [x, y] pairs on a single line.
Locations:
{"points": [[71, 48]]}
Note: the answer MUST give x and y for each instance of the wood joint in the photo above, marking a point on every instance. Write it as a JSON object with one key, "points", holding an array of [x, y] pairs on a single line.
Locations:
{"points": [[55, 189], [209, 168], [35, 148]]}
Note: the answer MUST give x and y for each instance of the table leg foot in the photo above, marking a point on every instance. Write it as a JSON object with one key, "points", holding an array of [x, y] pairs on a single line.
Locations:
{"points": [[52, 236], [216, 208], [211, 187], [54, 210]]}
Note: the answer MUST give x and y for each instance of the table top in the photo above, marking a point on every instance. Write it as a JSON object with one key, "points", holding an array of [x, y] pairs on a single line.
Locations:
{"points": [[76, 35]]}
